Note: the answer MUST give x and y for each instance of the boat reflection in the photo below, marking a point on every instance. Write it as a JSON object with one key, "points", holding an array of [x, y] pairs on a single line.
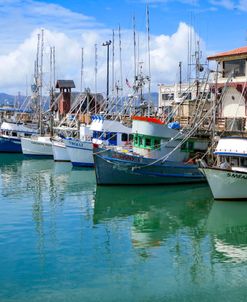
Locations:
{"points": [[156, 212], [227, 224]]}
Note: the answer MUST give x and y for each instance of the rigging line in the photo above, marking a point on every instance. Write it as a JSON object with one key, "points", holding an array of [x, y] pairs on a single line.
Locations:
{"points": [[164, 158]]}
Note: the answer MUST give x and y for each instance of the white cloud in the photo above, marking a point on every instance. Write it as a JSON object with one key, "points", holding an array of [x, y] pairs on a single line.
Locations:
{"points": [[17, 60], [231, 4]]}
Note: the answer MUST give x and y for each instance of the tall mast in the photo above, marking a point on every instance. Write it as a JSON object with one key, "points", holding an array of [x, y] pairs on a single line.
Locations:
{"points": [[41, 79], [113, 61], [36, 68], [95, 75], [149, 59], [54, 66], [51, 63], [82, 67], [120, 57], [134, 41]]}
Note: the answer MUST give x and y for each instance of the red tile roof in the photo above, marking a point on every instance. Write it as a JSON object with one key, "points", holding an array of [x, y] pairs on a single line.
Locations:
{"points": [[234, 52]]}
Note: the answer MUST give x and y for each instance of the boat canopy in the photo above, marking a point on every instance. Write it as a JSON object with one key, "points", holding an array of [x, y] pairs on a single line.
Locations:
{"points": [[232, 146], [109, 126]]}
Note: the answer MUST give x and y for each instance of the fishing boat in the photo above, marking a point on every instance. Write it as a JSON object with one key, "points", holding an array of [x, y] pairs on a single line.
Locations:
{"points": [[37, 146], [100, 131], [10, 136], [228, 178], [59, 151], [159, 155]]}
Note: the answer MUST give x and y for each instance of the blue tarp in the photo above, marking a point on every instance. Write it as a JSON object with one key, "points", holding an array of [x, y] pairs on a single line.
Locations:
{"points": [[174, 125]]}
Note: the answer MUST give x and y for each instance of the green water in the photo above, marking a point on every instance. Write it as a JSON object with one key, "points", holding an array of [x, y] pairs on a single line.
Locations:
{"points": [[64, 239]]}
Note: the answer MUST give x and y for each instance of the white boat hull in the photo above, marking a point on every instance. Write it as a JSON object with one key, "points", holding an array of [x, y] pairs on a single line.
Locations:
{"points": [[60, 152], [80, 152], [38, 146], [226, 184]]}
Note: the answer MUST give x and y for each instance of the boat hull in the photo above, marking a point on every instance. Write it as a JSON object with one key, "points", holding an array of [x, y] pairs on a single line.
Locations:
{"points": [[60, 152], [80, 152], [115, 168], [37, 148], [226, 184], [10, 144]]}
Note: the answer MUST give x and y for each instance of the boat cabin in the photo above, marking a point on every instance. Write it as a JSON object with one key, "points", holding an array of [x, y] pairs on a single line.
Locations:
{"points": [[233, 151], [110, 132]]}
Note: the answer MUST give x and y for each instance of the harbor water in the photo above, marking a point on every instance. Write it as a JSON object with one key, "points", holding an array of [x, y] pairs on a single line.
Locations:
{"points": [[62, 238]]}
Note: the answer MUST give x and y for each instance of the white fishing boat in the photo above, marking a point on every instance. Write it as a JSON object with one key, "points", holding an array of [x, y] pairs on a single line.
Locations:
{"points": [[10, 136], [37, 146], [60, 152], [101, 131], [228, 178]]}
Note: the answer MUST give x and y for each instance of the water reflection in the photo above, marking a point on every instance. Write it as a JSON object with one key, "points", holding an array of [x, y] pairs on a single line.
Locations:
{"points": [[228, 225], [158, 212]]}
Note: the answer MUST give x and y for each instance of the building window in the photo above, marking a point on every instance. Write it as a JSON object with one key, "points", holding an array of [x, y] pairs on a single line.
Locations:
{"points": [[237, 66], [167, 96]]}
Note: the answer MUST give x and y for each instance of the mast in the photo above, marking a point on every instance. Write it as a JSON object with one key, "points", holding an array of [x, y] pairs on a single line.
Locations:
{"points": [[180, 77], [41, 81], [107, 44], [82, 68], [134, 41], [54, 67], [95, 75], [113, 60], [149, 59], [120, 57]]}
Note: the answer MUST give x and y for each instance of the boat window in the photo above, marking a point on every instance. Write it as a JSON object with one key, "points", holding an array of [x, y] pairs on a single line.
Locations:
{"points": [[113, 138], [136, 139], [238, 66], [14, 134], [243, 162], [142, 142], [124, 137], [148, 143], [157, 143], [130, 137]]}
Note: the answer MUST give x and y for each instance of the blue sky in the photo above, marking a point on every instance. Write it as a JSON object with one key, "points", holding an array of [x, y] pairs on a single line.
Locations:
{"points": [[69, 25]]}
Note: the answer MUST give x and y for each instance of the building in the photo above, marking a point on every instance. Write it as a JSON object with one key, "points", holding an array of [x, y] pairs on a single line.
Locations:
{"points": [[232, 68]]}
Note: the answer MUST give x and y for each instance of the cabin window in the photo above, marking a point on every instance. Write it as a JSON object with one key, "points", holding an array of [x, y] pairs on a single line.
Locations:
{"points": [[130, 137], [14, 134], [237, 66], [148, 143], [112, 138], [187, 146], [124, 137], [136, 140], [157, 144], [142, 142]]}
